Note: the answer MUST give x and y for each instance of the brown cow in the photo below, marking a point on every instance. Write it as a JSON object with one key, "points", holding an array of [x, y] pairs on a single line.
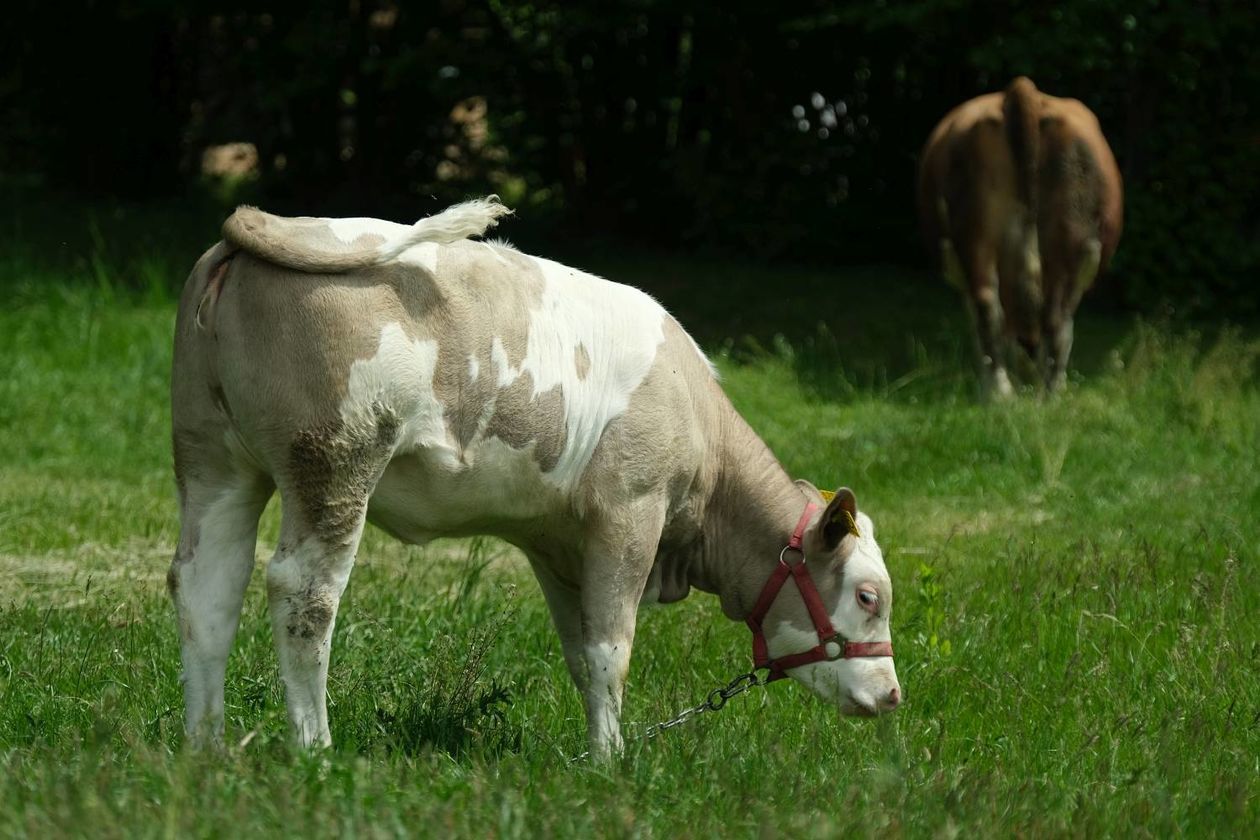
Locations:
{"points": [[1020, 196]]}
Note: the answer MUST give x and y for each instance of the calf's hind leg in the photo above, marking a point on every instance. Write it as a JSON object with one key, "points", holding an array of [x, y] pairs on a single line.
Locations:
{"points": [[207, 582], [305, 580], [331, 474]]}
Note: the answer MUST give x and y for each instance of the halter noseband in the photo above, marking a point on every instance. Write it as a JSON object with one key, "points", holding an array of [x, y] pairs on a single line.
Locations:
{"points": [[831, 645]]}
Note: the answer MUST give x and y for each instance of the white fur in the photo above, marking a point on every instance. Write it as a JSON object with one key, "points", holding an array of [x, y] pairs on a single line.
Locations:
{"points": [[495, 250], [621, 329], [503, 368], [210, 587], [472, 218], [494, 487], [400, 240], [349, 230], [424, 255], [607, 666], [400, 376], [291, 578]]}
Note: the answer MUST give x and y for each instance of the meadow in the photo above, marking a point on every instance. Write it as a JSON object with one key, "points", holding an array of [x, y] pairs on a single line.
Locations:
{"points": [[1077, 596]]}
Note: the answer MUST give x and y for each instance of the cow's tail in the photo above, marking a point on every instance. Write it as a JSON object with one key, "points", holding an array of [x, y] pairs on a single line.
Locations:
{"points": [[1021, 110], [279, 240]]}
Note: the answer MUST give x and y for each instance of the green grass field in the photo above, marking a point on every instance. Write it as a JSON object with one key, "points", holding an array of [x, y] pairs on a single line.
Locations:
{"points": [[1077, 612]]}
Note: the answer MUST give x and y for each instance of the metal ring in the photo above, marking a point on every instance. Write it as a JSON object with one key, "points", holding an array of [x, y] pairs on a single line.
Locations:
{"points": [[785, 550], [837, 640]]}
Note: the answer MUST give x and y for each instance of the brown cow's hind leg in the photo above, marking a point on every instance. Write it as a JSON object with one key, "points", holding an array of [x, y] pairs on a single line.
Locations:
{"points": [[990, 325], [952, 267], [1061, 313]]}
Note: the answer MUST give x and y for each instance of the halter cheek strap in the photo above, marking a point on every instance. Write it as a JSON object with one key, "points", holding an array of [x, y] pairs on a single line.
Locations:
{"points": [[831, 645]]}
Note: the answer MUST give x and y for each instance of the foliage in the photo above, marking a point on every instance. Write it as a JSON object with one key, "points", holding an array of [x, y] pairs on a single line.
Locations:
{"points": [[751, 127]]}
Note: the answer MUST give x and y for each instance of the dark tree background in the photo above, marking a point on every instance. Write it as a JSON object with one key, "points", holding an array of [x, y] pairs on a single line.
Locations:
{"points": [[776, 130]]}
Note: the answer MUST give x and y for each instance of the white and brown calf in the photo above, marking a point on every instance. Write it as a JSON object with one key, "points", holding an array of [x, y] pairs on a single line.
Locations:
{"points": [[438, 386], [1021, 200]]}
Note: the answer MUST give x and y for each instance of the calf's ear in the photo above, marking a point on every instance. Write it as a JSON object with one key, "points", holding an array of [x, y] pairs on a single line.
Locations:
{"points": [[838, 520], [811, 492]]}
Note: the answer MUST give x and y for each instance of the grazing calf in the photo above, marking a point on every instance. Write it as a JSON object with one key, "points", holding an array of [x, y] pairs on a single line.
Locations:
{"points": [[438, 386], [1020, 198]]}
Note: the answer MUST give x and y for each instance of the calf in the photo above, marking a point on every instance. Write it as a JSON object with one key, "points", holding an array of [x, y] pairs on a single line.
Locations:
{"points": [[438, 386], [1020, 198]]}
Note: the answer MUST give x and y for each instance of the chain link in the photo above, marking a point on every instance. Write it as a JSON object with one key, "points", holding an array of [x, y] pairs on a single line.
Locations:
{"points": [[714, 701]]}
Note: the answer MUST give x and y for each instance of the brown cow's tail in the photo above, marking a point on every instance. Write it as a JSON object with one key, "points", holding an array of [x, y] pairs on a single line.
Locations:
{"points": [[1021, 110]]}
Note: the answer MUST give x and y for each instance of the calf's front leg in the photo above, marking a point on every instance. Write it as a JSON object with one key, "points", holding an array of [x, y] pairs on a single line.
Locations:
{"points": [[618, 563], [608, 628]]}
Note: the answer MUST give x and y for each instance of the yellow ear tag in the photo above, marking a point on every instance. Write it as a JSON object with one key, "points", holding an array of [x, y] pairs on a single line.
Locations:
{"points": [[827, 496]]}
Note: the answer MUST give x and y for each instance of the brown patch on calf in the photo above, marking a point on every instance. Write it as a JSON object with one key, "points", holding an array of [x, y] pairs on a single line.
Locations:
{"points": [[521, 282], [310, 613], [334, 469], [466, 400], [582, 360], [522, 417], [477, 405]]}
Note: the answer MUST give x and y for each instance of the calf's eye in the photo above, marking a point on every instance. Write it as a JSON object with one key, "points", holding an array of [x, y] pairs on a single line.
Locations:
{"points": [[868, 599]]}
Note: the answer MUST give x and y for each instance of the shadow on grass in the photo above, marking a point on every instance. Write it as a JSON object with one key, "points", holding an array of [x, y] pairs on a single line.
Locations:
{"points": [[884, 331], [452, 708], [438, 696]]}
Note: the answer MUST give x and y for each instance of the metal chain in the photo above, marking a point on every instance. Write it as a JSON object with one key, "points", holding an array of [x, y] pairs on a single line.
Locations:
{"points": [[714, 701]]}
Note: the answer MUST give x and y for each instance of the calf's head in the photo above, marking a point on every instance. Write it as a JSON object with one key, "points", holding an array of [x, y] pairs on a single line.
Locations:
{"points": [[847, 568]]}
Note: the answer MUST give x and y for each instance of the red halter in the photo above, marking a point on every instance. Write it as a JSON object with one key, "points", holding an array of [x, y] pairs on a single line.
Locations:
{"points": [[831, 645]]}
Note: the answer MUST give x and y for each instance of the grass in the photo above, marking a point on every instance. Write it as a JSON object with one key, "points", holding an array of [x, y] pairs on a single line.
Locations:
{"points": [[1077, 596]]}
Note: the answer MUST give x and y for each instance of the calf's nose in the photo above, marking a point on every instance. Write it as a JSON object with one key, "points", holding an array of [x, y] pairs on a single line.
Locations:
{"points": [[893, 700]]}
